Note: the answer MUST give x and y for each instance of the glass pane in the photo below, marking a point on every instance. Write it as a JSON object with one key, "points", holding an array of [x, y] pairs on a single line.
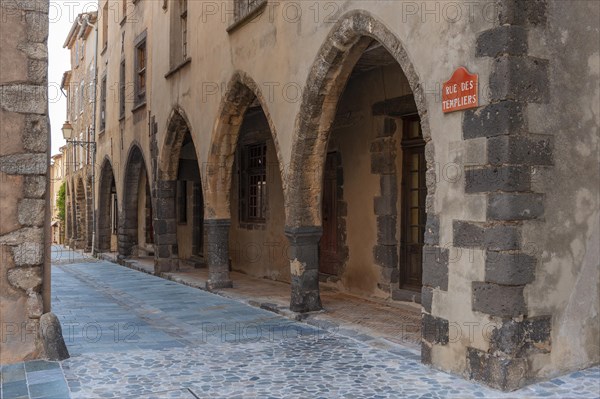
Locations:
{"points": [[414, 234], [414, 198], [414, 180], [414, 216]]}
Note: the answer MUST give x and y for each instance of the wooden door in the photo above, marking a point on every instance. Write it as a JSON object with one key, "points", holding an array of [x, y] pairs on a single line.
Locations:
{"points": [[328, 248], [414, 192]]}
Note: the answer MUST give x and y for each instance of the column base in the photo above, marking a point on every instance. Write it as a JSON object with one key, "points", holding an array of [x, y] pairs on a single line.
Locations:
{"points": [[218, 284]]}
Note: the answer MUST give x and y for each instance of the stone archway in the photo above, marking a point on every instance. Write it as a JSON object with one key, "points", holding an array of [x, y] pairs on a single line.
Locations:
{"points": [[106, 219], [136, 233], [242, 93], [178, 223], [350, 37]]}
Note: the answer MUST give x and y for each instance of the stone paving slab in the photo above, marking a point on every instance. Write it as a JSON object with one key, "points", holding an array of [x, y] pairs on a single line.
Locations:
{"points": [[223, 349]]}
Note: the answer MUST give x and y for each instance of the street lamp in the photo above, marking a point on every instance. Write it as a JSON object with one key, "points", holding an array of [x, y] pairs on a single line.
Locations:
{"points": [[67, 131]]}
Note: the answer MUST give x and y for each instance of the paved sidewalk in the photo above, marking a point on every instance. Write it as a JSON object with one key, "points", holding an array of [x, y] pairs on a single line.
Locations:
{"points": [[382, 323], [133, 335]]}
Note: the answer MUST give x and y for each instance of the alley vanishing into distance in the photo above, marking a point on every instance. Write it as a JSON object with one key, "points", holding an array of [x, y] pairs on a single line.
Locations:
{"points": [[133, 335]]}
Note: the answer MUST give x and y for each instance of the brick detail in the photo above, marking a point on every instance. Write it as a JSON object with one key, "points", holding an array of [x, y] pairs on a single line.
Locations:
{"points": [[516, 79], [509, 268], [504, 373], [432, 230], [435, 267], [497, 237], [502, 40], [522, 79], [520, 338], [501, 178], [427, 298], [515, 206], [496, 119], [434, 330], [498, 300], [524, 150]]}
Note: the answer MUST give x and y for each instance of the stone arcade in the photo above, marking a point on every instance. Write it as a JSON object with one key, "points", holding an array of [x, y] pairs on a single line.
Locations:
{"points": [[315, 151]]}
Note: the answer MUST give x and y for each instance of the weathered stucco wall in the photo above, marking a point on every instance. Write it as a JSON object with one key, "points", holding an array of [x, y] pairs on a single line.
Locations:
{"points": [[567, 240], [24, 183]]}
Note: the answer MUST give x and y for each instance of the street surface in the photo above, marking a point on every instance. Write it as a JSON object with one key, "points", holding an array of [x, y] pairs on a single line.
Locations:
{"points": [[133, 335]]}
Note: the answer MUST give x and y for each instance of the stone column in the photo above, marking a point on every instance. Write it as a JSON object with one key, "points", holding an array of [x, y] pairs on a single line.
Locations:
{"points": [[304, 263], [217, 252], [24, 179], [165, 227]]}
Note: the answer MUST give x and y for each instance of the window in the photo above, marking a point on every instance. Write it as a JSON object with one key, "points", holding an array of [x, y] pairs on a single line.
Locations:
{"points": [[105, 26], [103, 104], [243, 8], [140, 69], [76, 53], [81, 96], [253, 183], [178, 30], [183, 15], [182, 201], [122, 89], [75, 107]]}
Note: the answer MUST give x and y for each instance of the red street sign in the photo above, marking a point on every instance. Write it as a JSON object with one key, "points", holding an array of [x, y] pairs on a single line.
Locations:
{"points": [[460, 92]]}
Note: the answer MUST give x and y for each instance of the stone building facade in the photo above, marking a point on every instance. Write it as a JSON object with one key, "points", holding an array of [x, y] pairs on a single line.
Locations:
{"points": [[306, 143], [57, 173], [24, 162], [78, 85]]}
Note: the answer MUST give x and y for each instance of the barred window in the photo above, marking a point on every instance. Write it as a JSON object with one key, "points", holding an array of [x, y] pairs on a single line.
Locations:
{"points": [[253, 183]]}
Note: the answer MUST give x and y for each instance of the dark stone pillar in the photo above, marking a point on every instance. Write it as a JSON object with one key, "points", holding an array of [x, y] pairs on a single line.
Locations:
{"points": [[165, 227], [304, 263], [217, 252]]}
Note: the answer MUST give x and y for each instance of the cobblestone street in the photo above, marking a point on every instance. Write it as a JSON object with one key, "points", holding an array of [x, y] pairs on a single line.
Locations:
{"points": [[133, 335]]}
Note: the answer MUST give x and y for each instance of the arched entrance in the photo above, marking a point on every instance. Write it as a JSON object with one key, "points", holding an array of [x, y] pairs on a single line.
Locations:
{"points": [[107, 219], [359, 148], [179, 221], [136, 231], [244, 197]]}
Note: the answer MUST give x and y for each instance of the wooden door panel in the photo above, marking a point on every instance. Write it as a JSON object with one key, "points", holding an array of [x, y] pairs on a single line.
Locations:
{"points": [[328, 247]]}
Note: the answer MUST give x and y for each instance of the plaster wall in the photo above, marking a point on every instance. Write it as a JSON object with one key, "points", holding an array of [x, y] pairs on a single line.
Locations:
{"points": [[567, 239]]}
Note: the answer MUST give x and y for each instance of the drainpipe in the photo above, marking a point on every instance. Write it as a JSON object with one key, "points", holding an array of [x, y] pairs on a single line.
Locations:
{"points": [[93, 132]]}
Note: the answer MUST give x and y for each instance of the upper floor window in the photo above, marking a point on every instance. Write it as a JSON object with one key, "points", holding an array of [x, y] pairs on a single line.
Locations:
{"points": [[122, 86], [178, 51], [81, 96], [253, 183], [103, 104], [105, 26], [140, 69], [76, 53], [242, 8], [183, 17]]}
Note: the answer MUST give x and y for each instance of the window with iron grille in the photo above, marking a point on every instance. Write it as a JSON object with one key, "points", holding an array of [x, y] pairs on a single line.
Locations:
{"points": [[253, 183]]}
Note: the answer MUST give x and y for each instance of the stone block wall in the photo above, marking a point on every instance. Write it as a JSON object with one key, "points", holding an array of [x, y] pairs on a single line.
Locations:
{"points": [[24, 163]]}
